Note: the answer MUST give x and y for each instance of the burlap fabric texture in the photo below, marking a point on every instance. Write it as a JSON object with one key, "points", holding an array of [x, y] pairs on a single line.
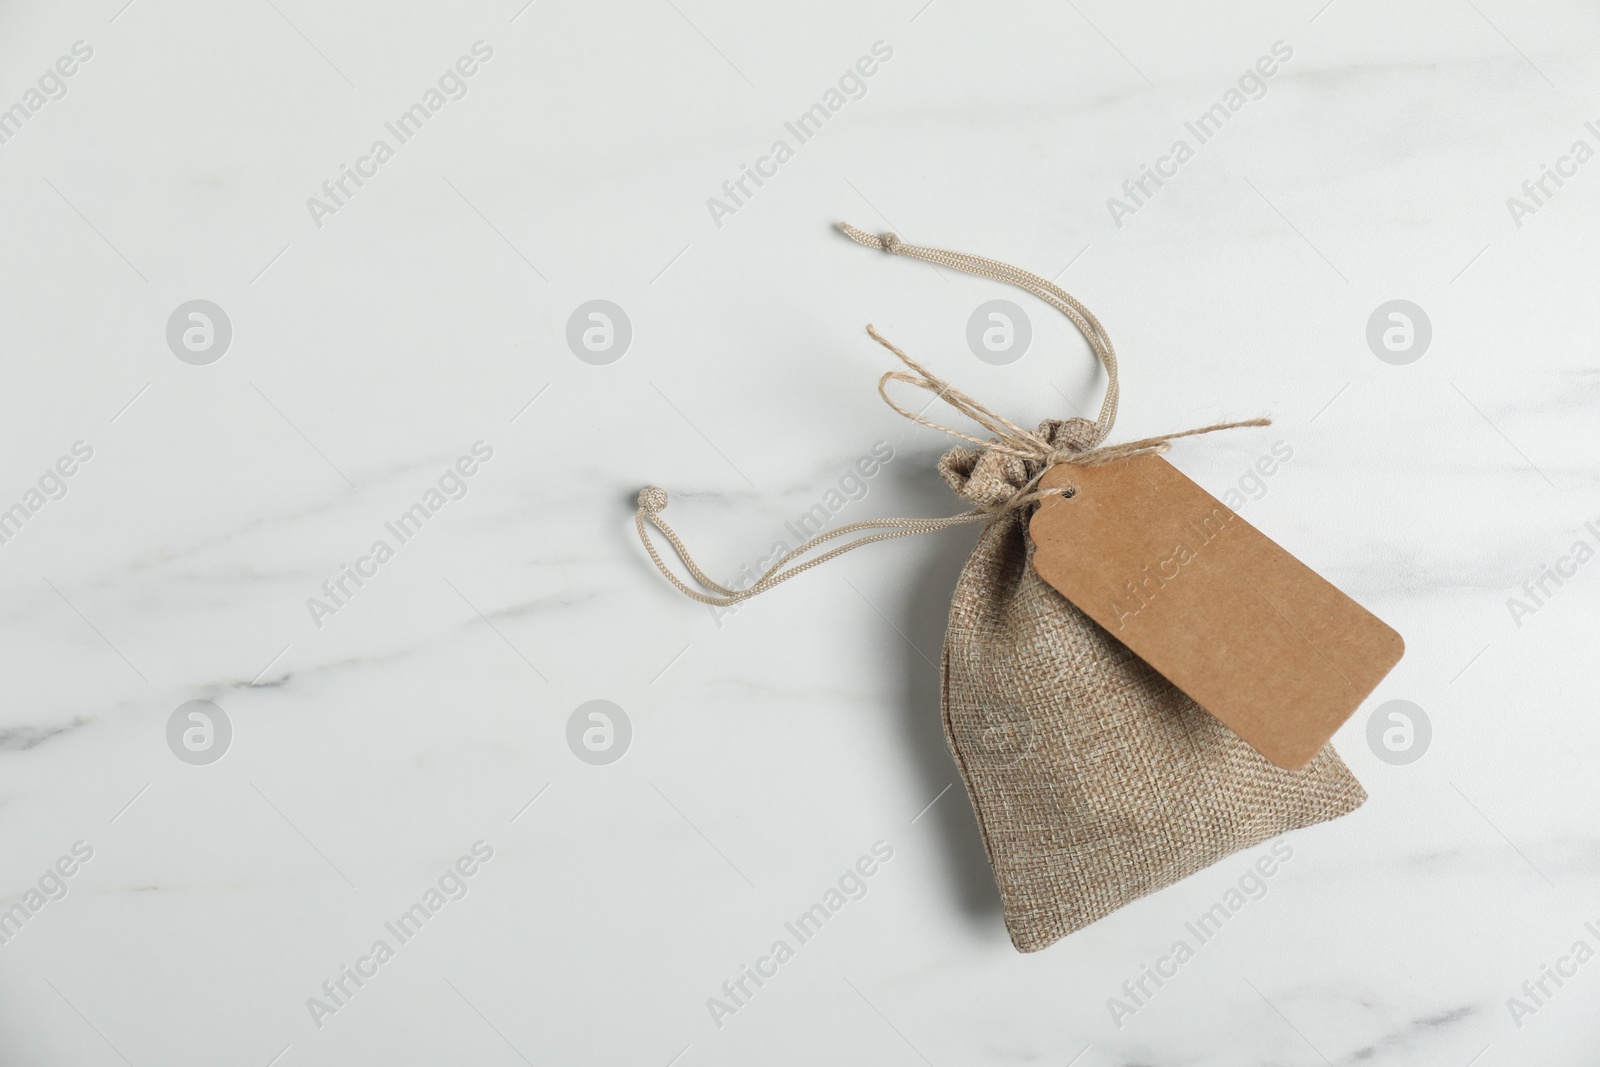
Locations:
{"points": [[1095, 781]]}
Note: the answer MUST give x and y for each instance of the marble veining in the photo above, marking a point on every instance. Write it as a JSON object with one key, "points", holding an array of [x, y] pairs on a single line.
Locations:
{"points": [[162, 904]]}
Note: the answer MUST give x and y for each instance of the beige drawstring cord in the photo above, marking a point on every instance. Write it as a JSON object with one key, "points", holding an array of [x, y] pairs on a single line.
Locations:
{"points": [[1083, 446], [652, 500], [1049, 292]]}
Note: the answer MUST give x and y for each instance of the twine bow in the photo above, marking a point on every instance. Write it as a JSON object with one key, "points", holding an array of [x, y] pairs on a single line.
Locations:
{"points": [[1073, 441]]}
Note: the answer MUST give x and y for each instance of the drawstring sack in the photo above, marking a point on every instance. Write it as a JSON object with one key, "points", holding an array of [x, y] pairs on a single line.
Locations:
{"points": [[1094, 779]]}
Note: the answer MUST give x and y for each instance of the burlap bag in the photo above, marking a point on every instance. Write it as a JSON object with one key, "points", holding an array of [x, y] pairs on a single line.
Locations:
{"points": [[1095, 781]]}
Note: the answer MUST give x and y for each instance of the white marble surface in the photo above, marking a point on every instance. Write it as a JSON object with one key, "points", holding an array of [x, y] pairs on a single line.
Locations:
{"points": [[770, 752]]}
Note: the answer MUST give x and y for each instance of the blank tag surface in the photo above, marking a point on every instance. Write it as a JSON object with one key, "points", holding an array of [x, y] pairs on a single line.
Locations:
{"points": [[1253, 635]]}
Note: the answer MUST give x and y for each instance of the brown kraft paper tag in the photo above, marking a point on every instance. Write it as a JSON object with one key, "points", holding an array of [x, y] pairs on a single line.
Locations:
{"points": [[1253, 635]]}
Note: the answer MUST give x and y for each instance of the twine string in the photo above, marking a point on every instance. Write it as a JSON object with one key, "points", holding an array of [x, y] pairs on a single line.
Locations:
{"points": [[1081, 447]]}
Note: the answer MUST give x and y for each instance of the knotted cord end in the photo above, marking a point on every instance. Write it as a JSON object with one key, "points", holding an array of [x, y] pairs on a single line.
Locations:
{"points": [[888, 242], [652, 499]]}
